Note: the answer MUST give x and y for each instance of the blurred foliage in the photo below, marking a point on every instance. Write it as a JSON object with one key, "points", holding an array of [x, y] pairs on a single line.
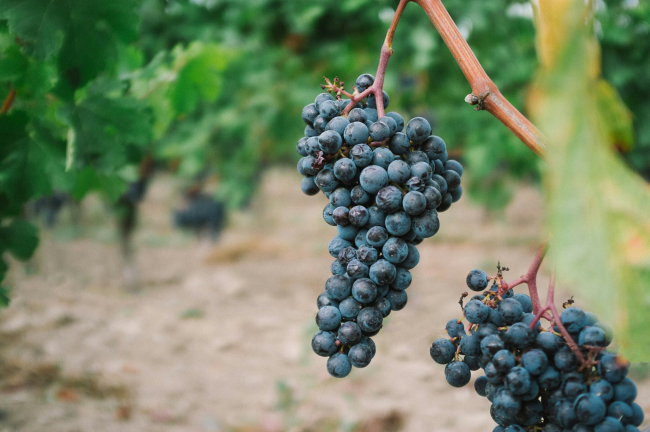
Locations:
{"points": [[598, 209]]}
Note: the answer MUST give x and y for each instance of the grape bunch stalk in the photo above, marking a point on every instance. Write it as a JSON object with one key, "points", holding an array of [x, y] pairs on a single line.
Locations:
{"points": [[553, 379], [386, 183]]}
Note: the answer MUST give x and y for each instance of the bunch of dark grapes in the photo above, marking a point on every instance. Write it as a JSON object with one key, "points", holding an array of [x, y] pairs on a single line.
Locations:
{"points": [[533, 379], [386, 182]]}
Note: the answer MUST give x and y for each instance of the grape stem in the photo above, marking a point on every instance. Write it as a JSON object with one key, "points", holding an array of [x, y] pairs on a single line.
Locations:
{"points": [[9, 100], [485, 93]]}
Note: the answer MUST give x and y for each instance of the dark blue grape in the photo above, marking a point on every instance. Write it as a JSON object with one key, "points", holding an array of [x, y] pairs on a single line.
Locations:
{"points": [[328, 109], [548, 342], [625, 391], [370, 319], [345, 170], [528, 319], [364, 290], [452, 165], [389, 199], [349, 309], [631, 428], [397, 299], [470, 345], [341, 216], [310, 131], [360, 239], [477, 280], [550, 379], [572, 387], [486, 330], [338, 287], [373, 178], [367, 254], [357, 194], [339, 365], [412, 258], [476, 312], [535, 361], [532, 393], [457, 374], [323, 300], [592, 336], [637, 415], [415, 203], [456, 194], [415, 157], [382, 305], [613, 368], [432, 196], [395, 250], [518, 380], [377, 217], [479, 386], [426, 224], [301, 167], [496, 319], [365, 340], [399, 223], [340, 198], [445, 203], [399, 120], [326, 181], [324, 343], [357, 270], [322, 98], [399, 144], [503, 361], [320, 123], [390, 122], [328, 214], [382, 157], [565, 360], [402, 279], [371, 113], [619, 410], [442, 351], [382, 272], [372, 103], [328, 318], [511, 311], [454, 328], [442, 184], [364, 81], [603, 389], [301, 147], [421, 170], [359, 216], [377, 236], [415, 184], [349, 333], [506, 402], [519, 335], [309, 114], [610, 424], [360, 355], [347, 232], [452, 178], [491, 344], [399, 171], [338, 125], [379, 131], [308, 186], [336, 244], [573, 319], [418, 129], [346, 255], [524, 300], [356, 133], [357, 115]]}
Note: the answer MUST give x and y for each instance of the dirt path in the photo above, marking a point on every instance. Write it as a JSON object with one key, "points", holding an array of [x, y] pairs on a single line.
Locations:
{"points": [[218, 337]]}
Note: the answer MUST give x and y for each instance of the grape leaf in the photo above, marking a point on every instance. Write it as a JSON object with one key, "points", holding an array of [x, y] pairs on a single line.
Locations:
{"points": [[598, 209], [199, 68], [84, 33], [20, 238]]}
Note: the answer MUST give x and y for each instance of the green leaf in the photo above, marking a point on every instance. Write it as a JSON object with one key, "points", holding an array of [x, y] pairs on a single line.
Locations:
{"points": [[84, 33], [4, 296], [13, 64], [20, 238], [598, 209], [199, 77]]}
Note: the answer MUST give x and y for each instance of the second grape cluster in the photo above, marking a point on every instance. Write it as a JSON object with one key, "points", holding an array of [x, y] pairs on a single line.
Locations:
{"points": [[386, 182]]}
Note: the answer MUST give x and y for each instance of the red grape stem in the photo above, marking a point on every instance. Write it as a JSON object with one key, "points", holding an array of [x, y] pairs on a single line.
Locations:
{"points": [[484, 92]]}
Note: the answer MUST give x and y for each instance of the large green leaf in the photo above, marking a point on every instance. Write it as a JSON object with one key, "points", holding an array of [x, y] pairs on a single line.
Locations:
{"points": [[20, 238], [598, 209], [84, 33]]}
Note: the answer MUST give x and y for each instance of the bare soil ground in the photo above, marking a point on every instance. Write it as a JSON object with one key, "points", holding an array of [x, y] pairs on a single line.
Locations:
{"points": [[218, 336]]}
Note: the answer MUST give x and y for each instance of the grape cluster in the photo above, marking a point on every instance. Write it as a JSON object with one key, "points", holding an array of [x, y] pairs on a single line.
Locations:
{"points": [[386, 182], [533, 379]]}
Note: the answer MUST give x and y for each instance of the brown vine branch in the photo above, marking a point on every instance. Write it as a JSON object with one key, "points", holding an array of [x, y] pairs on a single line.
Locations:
{"points": [[8, 101], [485, 93]]}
